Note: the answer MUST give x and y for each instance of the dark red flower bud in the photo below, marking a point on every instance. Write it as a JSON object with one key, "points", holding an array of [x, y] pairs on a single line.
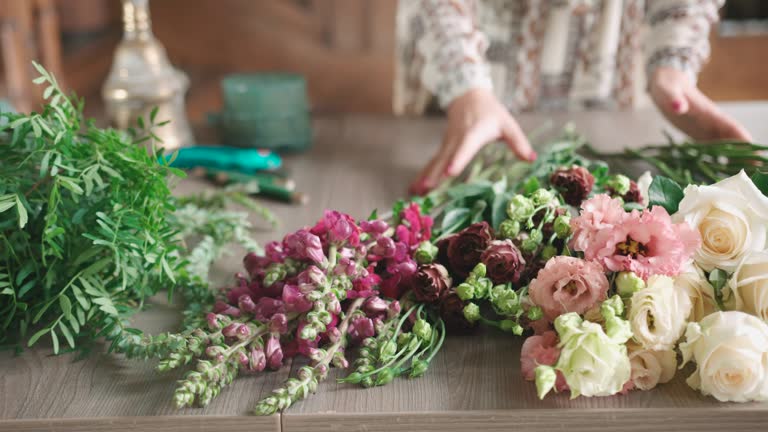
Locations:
{"points": [[430, 282], [503, 262], [574, 184], [465, 249]]}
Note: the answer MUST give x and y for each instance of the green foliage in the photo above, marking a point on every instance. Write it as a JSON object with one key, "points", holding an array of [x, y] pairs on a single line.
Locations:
{"points": [[665, 192], [87, 225]]}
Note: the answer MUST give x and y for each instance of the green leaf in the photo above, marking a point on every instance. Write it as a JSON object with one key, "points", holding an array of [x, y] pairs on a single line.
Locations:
{"points": [[666, 193], [37, 336], [7, 203], [374, 215], [153, 115], [55, 340], [67, 334], [718, 278], [499, 209], [22, 212], [531, 185], [26, 287], [760, 179], [7, 291], [80, 297], [66, 306], [470, 190], [454, 220]]}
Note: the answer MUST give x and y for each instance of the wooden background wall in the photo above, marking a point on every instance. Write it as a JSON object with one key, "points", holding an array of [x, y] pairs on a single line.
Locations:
{"points": [[345, 48]]}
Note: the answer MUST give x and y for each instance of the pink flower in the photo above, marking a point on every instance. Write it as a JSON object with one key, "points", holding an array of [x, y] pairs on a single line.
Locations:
{"points": [[304, 245], [360, 328], [278, 323], [255, 265], [568, 284], [338, 227], [267, 307], [274, 353], [541, 350], [595, 225], [225, 309], [364, 286], [375, 227], [650, 244], [257, 361], [274, 251], [415, 228], [312, 276], [294, 300]]}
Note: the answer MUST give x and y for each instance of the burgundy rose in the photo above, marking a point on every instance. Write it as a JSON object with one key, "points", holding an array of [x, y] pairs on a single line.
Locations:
{"points": [[442, 250], [452, 313], [633, 194], [574, 184], [465, 249], [503, 262], [430, 282]]}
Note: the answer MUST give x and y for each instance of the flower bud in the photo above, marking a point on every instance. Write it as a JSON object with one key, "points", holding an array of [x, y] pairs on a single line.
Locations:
{"points": [[325, 317], [618, 183], [520, 208], [387, 349], [214, 350], [394, 309], [231, 329], [385, 377], [483, 287], [275, 272], [246, 304], [354, 378], [422, 330], [465, 291], [562, 226], [242, 358], [278, 323], [511, 326], [541, 197], [334, 334], [256, 358], [529, 245], [545, 380], [425, 253], [472, 312], [509, 229], [505, 300], [339, 360], [316, 354], [274, 353], [548, 252], [535, 313], [243, 332], [418, 368], [309, 332], [627, 283], [367, 382], [478, 271], [213, 321]]}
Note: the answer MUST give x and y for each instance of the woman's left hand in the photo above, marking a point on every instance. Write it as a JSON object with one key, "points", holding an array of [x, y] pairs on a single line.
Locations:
{"points": [[690, 110]]}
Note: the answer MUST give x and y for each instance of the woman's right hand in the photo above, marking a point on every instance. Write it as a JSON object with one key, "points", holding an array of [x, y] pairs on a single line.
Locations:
{"points": [[474, 119]]}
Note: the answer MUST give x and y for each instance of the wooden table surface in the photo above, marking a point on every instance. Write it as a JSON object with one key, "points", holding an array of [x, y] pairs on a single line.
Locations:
{"points": [[360, 163]]}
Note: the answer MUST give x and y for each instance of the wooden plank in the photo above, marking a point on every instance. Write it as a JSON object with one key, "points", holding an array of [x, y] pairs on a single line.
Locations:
{"points": [[737, 69], [153, 424], [348, 32]]}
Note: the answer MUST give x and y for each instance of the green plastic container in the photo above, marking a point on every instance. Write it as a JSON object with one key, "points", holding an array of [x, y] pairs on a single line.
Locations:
{"points": [[269, 111]]}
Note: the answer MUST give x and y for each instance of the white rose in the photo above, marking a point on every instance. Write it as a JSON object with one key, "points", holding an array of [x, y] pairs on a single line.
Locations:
{"points": [[731, 354], [644, 185], [650, 368], [593, 363], [747, 289], [693, 281], [658, 313], [731, 217]]}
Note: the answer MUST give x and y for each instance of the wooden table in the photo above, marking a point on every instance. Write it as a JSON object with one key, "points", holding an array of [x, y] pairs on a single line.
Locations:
{"points": [[360, 163]]}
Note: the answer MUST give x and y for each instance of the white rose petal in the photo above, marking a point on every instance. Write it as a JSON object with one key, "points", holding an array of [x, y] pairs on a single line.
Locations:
{"points": [[658, 313], [747, 289], [693, 281], [731, 354], [644, 185], [731, 217]]}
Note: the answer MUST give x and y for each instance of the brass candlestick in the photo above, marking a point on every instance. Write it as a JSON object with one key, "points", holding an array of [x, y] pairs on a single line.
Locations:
{"points": [[142, 78]]}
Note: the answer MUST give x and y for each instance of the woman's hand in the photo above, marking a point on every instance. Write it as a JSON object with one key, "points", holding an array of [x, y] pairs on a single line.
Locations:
{"points": [[690, 110], [474, 119]]}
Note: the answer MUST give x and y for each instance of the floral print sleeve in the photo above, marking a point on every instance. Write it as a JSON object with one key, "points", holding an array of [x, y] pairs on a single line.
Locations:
{"points": [[453, 48], [679, 33]]}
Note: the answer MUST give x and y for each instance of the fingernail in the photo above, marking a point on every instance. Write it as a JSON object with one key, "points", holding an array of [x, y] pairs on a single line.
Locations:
{"points": [[676, 106]]}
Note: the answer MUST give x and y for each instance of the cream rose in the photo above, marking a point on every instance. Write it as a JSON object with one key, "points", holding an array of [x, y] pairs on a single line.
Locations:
{"points": [[651, 368], [731, 354], [658, 313], [693, 281], [747, 289], [644, 185], [731, 217]]}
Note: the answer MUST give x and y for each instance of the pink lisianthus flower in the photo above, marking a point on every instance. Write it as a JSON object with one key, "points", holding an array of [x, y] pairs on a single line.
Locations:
{"points": [[568, 284], [648, 243], [593, 229], [541, 350]]}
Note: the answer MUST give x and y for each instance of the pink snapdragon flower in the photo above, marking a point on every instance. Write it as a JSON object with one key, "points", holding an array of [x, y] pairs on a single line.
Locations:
{"points": [[274, 353], [295, 300], [541, 350], [360, 328], [304, 245], [568, 284], [416, 228], [337, 228], [647, 243]]}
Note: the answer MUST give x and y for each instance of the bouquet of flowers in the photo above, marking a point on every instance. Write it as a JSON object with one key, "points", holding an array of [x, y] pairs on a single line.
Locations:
{"points": [[608, 277]]}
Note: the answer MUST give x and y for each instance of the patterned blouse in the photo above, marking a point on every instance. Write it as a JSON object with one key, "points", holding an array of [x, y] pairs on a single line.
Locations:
{"points": [[545, 54]]}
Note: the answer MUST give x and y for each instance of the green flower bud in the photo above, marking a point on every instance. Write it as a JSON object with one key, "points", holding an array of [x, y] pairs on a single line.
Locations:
{"points": [[619, 183], [509, 229], [545, 380], [422, 330], [511, 326], [562, 226], [535, 313], [425, 253], [505, 300], [404, 339], [628, 283], [483, 287], [387, 350], [367, 382], [365, 352], [385, 377], [548, 252], [354, 378], [536, 235], [274, 273], [541, 197], [418, 368], [520, 208], [478, 271], [465, 291], [472, 312], [309, 332], [529, 245]]}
